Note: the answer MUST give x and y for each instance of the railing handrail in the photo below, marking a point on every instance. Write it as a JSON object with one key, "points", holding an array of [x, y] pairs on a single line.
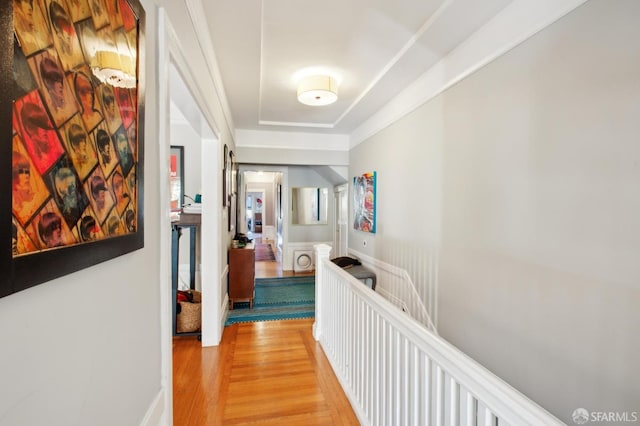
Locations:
{"points": [[499, 397], [404, 277]]}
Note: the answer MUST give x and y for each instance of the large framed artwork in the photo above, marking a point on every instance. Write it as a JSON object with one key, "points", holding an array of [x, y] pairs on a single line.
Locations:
{"points": [[72, 120], [364, 202]]}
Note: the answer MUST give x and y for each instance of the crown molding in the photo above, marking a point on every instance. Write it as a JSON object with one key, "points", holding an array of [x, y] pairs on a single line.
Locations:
{"points": [[246, 138], [513, 25], [296, 124]]}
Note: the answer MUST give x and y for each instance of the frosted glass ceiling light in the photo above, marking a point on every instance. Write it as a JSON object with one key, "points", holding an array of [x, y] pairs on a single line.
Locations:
{"points": [[317, 90]]}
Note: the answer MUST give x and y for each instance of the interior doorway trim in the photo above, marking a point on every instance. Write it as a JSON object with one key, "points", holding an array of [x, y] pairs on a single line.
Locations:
{"points": [[169, 52], [284, 170]]}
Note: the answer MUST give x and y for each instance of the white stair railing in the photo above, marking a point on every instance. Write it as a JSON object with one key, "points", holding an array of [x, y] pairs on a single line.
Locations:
{"points": [[396, 372]]}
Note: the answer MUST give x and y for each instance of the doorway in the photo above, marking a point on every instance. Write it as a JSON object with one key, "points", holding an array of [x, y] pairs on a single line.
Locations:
{"points": [[189, 128], [254, 212], [262, 194]]}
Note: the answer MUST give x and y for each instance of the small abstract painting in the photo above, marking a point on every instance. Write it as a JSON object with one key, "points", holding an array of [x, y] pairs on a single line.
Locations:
{"points": [[176, 177], [364, 202]]}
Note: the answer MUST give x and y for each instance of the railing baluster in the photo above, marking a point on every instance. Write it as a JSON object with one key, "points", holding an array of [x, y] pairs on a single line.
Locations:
{"points": [[360, 350], [383, 374], [454, 402], [376, 394], [393, 376], [406, 396], [415, 393], [428, 387], [388, 377], [471, 410], [366, 354], [439, 396], [399, 383], [488, 417]]}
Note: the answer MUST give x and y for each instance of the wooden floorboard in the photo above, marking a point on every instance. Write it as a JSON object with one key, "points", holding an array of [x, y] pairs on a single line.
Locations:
{"points": [[265, 373]]}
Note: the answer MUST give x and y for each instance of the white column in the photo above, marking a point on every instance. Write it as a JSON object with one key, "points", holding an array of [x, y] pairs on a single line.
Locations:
{"points": [[322, 252]]}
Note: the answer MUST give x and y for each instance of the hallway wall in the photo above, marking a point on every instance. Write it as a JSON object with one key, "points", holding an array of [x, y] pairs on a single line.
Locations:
{"points": [[84, 349], [517, 190]]}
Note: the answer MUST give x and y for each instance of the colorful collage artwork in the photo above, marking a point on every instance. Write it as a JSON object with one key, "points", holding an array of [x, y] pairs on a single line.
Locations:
{"points": [[75, 146]]}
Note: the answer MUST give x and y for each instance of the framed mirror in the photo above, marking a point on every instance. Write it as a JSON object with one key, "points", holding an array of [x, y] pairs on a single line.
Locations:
{"points": [[309, 206]]}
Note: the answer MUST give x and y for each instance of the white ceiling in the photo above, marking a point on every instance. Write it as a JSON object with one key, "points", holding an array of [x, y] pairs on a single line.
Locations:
{"points": [[375, 47]]}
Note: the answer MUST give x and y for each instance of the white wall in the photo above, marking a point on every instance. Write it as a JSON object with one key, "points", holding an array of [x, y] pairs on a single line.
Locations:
{"points": [[85, 348], [517, 189]]}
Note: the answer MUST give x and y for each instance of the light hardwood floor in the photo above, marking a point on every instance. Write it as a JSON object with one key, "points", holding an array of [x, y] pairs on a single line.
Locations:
{"points": [[270, 269], [268, 373]]}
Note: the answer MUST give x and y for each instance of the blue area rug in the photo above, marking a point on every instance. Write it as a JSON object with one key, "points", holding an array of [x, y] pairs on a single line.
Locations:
{"points": [[276, 299]]}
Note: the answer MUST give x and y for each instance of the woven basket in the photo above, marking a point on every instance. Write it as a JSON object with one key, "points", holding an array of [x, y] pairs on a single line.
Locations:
{"points": [[190, 318]]}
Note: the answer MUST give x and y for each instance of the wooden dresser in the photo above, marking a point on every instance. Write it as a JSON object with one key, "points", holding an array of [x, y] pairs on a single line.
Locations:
{"points": [[242, 272]]}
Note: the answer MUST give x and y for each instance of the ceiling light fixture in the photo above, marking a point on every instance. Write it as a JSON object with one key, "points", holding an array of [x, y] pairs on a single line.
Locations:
{"points": [[113, 68], [318, 90]]}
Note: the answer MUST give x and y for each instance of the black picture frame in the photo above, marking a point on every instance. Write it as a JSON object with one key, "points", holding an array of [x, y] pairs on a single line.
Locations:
{"points": [[234, 173], [37, 265], [177, 181], [233, 191], [279, 189], [225, 178]]}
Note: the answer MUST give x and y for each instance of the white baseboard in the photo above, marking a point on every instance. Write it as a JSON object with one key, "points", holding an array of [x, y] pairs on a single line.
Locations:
{"points": [[225, 311], [156, 414]]}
